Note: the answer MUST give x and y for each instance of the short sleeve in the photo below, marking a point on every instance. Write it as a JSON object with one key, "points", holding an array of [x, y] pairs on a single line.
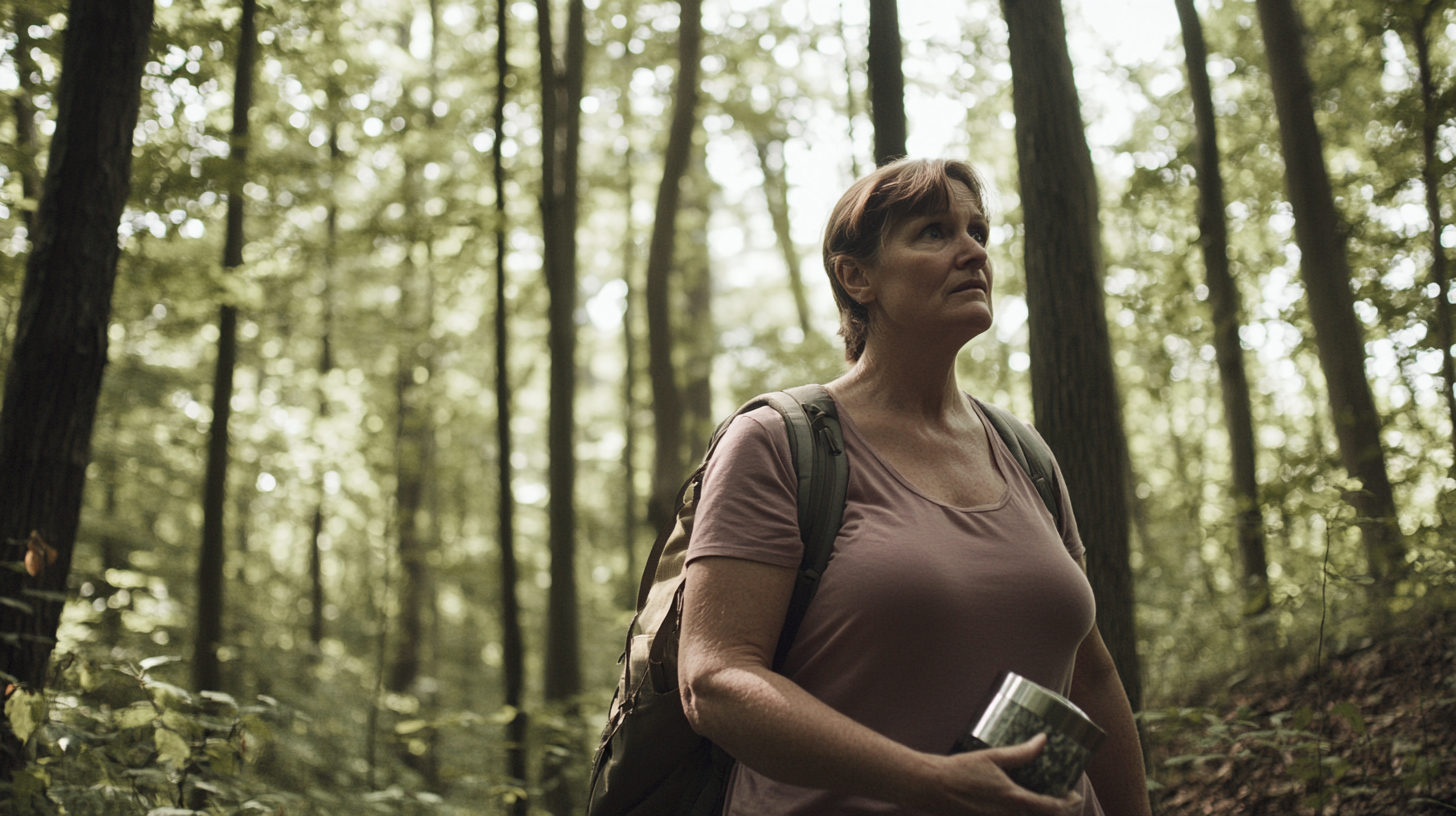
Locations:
{"points": [[748, 507]]}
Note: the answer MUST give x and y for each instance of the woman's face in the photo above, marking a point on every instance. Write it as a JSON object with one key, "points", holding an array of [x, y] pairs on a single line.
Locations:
{"points": [[933, 273]]}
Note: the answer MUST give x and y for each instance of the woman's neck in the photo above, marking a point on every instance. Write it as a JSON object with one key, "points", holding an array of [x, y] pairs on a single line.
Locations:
{"points": [[917, 384]]}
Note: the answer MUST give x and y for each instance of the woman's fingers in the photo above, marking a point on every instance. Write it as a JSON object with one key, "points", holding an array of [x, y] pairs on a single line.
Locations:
{"points": [[1014, 756]]}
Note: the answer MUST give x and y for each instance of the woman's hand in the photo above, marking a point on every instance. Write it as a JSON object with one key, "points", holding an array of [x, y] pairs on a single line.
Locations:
{"points": [[976, 783]]}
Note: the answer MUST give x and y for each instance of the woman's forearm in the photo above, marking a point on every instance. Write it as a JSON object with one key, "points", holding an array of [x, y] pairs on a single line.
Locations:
{"points": [[773, 726]]}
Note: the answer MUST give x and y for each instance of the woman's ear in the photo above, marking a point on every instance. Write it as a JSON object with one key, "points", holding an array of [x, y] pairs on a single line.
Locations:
{"points": [[856, 283]]}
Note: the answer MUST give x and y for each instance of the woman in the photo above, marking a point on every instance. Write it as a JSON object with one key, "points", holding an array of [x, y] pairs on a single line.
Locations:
{"points": [[948, 569]]}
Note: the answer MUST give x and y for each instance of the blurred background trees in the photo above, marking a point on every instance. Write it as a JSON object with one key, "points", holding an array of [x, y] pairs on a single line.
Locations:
{"points": [[479, 335]]}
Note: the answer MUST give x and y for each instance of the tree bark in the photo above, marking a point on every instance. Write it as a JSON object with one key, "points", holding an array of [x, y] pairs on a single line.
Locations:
{"points": [[561, 90], [1224, 301], [513, 652], [667, 403], [1441, 328], [776, 193], [887, 81], [1072, 380], [206, 667], [1325, 269], [54, 375], [325, 365]]}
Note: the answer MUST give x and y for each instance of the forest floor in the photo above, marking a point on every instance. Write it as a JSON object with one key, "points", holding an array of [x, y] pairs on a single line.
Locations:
{"points": [[1368, 731]]}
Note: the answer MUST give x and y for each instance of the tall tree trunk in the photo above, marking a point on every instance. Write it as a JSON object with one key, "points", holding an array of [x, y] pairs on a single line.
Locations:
{"points": [[561, 88], [887, 81], [325, 365], [702, 344], [1224, 300], [1325, 268], [667, 407], [629, 372], [1431, 119], [415, 516], [206, 668], [1072, 379], [776, 192], [513, 651], [54, 375]]}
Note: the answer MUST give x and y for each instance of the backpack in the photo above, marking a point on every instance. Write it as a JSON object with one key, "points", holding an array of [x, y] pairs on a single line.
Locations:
{"points": [[649, 761]]}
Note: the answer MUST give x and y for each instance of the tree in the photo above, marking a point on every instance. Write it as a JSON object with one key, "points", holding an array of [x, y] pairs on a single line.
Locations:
{"points": [[60, 351], [1072, 380], [1223, 297], [776, 192], [561, 90], [1431, 117], [206, 667], [1325, 269], [887, 81], [513, 651], [667, 402]]}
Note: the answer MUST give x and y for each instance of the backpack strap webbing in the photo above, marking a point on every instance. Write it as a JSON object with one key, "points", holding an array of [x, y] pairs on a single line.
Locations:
{"points": [[1030, 452], [816, 446]]}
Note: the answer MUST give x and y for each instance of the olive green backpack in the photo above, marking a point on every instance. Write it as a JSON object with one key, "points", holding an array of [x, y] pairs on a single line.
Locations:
{"points": [[650, 762]]}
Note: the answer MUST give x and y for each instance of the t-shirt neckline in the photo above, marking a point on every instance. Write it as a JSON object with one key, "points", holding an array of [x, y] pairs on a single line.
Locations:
{"points": [[998, 450]]}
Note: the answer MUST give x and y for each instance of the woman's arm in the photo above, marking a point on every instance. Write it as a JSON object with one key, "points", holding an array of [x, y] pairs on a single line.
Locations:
{"points": [[733, 613], [1116, 771]]}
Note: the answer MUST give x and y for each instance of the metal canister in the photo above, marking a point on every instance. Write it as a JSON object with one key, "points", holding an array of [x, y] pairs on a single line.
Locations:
{"points": [[1021, 709]]}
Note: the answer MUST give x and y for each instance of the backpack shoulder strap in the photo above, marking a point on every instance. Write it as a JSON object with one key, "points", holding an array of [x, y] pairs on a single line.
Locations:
{"points": [[1031, 453], [823, 485], [816, 446]]}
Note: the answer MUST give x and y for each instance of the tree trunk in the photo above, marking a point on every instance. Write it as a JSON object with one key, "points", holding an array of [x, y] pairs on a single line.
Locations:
{"points": [[206, 668], [325, 365], [54, 375], [629, 374], [667, 407], [513, 651], [1325, 268], [1431, 119], [561, 89], [776, 192], [1072, 379], [887, 81], [1223, 299]]}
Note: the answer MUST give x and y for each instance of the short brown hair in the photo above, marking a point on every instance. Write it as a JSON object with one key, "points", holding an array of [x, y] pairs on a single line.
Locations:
{"points": [[870, 209]]}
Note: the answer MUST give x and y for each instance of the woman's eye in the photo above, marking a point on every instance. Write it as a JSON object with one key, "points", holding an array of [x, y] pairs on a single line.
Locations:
{"points": [[979, 234], [932, 231]]}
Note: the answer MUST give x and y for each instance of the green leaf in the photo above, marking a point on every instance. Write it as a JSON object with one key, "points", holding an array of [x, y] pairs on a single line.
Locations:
{"points": [[171, 747], [1351, 714], [26, 712], [46, 595], [410, 726], [219, 697], [181, 723], [160, 660], [135, 716], [24, 607], [1303, 717]]}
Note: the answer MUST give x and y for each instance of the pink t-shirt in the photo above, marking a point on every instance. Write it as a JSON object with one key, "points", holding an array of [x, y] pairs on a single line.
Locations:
{"points": [[922, 607]]}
